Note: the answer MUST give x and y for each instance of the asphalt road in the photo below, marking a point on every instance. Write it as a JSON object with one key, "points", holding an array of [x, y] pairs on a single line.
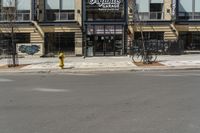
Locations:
{"points": [[134, 102]]}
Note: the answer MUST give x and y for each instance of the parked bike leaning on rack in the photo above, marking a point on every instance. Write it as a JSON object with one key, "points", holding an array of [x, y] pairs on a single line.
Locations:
{"points": [[145, 55]]}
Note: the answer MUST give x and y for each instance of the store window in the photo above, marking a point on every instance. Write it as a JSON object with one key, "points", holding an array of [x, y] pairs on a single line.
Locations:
{"points": [[109, 29], [191, 40], [99, 29], [149, 35], [60, 41], [22, 37]]}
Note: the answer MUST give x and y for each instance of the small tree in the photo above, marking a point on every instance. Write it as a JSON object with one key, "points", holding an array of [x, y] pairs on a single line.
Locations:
{"points": [[9, 16]]}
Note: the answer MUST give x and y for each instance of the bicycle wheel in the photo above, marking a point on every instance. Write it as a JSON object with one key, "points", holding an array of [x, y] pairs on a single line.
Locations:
{"points": [[165, 49], [137, 57], [152, 57]]}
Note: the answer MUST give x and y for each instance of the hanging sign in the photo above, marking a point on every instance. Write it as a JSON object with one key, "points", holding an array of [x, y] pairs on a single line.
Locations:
{"points": [[173, 7], [106, 4]]}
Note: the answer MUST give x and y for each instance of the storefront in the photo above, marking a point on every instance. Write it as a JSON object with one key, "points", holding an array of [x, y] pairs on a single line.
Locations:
{"points": [[105, 24], [60, 41], [191, 40]]}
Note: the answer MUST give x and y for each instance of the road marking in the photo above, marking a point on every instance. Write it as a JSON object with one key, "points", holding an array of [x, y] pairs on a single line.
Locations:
{"points": [[162, 75], [81, 74], [77, 74], [5, 80], [172, 75], [50, 90]]}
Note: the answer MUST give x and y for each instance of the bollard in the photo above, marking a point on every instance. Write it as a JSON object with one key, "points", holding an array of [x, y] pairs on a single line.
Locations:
{"points": [[61, 58]]}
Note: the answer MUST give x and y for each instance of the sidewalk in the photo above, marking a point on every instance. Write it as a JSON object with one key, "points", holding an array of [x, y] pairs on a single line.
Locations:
{"points": [[93, 64]]}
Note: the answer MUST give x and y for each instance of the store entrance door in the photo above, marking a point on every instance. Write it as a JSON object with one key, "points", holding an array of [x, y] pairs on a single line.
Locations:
{"points": [[104, 45]]}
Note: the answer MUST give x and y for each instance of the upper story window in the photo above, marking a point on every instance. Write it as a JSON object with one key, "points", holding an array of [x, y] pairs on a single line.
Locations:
{"points": [[197, 9], [150, 9], [23, 10], [189, 9], [15, 10], [60, 10]]}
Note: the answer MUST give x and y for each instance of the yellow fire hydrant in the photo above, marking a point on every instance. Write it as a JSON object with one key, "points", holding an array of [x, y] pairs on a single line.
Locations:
{"points": [[61, 63]]}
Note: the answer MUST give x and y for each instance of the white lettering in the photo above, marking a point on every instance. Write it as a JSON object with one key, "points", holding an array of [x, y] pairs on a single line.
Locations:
{"points": [[106, 4]]}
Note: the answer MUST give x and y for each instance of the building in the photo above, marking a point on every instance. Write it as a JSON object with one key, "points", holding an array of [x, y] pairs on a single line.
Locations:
{"points": [[60, 20], [188, 23], [156, 17], [105, 26], [98, 27], [44, 26], [168, 20]]}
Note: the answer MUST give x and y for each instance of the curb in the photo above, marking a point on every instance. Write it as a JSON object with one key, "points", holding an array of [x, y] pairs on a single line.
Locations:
{"points": [[95, 70], [168, 69], [92, 70]]}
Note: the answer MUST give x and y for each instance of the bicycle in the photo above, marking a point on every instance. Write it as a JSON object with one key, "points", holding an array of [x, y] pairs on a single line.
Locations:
{"points": [[146, 56]]}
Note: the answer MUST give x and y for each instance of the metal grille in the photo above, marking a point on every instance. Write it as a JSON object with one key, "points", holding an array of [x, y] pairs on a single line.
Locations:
{"points": [[159, 46]]}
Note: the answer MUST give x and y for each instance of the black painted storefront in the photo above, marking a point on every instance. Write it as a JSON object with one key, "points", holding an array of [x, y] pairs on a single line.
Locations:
{"points": [[104, 28]]}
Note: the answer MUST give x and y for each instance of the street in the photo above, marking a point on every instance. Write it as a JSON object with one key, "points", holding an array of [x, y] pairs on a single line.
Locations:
{"points": [[114, 102]]}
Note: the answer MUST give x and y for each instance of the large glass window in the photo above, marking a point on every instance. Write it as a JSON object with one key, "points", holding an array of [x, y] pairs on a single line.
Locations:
{"points": [[150, 9], [22, 37], [20, 4], [67, 4], [22, 11], [60, 10], [185, 5], [52, 4], [105, 39], [185, 9], [191, 40], [197, 5], [156, 1], [24, 5], [96, 11], [189, 9], [149, 35], [142, 5], [60, 41], [156, 11], [197, 9], [8, 3]]}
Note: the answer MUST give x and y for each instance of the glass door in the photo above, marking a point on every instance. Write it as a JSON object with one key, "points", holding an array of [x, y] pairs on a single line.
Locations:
{"points": [[99, 45], [104, 45], [109, 46], [107, 40]]}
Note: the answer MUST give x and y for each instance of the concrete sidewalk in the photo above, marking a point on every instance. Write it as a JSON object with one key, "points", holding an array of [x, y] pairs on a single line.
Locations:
{"points": [[93, 64]]}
